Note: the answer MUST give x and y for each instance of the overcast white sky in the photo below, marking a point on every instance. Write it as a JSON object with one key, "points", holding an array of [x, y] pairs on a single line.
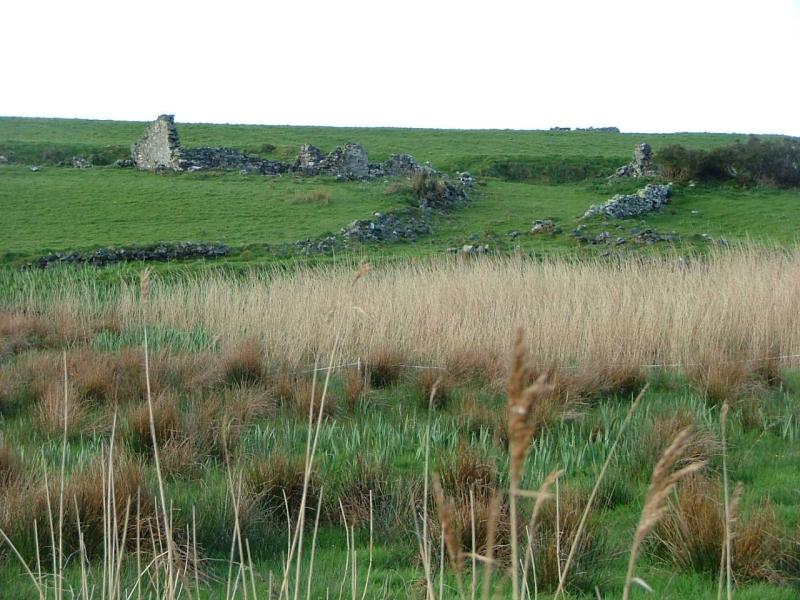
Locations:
{"points": [[640, 65]]}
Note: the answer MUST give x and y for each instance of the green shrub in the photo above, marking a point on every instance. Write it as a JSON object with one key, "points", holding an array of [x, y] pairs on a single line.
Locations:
{"points": [[774, 163]]}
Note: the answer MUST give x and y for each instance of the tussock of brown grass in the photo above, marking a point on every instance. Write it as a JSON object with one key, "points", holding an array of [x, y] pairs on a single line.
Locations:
{"points": [[246, 403], [383, 366], [10, 466], [720, 378], [20, 332], [593, 381], [179, 458], [354, 493], [269, 479], [130, 384], [475, 363], [356, 386], [94, 374], [692, 533], [547, 540], [244, 362], [307, 398], [50, 410], [214, 424], [476, 415], [700, 447], [166, 418], [436, 382], [470, 482], [85, 488]]}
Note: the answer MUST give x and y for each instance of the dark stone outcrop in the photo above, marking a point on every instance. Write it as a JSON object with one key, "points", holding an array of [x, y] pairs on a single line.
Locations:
{"points": [[388, 227], [152, 253]]}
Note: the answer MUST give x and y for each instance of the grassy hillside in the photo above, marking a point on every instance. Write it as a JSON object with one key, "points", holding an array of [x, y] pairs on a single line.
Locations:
{"points": [[524, 175]]}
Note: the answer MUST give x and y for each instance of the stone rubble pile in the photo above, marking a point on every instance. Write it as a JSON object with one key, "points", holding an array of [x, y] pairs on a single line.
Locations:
{"points": [[651, 197], [80, 162], [195, 159], [387, 227]]}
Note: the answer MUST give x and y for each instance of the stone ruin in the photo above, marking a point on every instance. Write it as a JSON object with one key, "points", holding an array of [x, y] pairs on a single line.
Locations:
{"points": [[651, 197], [641, 165], [160, 149]]}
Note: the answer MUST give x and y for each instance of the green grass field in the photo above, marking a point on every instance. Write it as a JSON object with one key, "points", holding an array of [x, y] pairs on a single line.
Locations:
{"points": [[524, 176]]}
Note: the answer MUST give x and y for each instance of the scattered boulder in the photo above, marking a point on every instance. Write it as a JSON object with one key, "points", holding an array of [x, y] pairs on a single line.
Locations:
{"points": [[472, 249], [3, 160], [159, 148], [466, 179], [641, 165], [651, 197], [35, 168], [124, 163], [543, 226], [81, 163]]}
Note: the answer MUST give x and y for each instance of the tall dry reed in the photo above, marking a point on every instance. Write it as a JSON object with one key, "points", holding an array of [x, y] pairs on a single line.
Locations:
{"points": [[742, 306]]}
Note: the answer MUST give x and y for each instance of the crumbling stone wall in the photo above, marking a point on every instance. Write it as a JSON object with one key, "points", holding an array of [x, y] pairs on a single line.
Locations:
{"points": [[160, 147], [641, 165]]}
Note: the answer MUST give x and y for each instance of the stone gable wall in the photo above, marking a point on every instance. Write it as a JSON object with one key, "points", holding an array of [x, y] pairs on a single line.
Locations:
{"points": [[159, 148]]}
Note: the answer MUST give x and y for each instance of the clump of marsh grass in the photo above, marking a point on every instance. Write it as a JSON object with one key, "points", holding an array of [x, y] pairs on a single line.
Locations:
{"points": [[278, 482], [433, 385], [356, 386], [307, 398], [559, 526], [10, 465], [163, 415], [384, 366], [692, 534], [665, 477], [244, 363], [50, 413]]}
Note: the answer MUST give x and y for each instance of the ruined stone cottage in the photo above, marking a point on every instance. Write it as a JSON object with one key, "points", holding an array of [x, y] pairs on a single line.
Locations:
{"points": [[160, 149]]}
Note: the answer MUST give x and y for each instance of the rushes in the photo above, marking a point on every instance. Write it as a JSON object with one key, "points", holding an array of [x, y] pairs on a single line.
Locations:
{"points": [[662, 482]]}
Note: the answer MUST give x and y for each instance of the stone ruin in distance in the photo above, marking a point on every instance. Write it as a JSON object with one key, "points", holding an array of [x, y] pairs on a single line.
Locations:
{"points": [[160, 150]]}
